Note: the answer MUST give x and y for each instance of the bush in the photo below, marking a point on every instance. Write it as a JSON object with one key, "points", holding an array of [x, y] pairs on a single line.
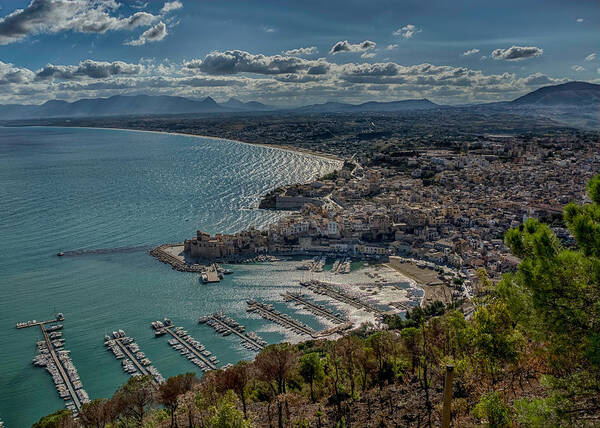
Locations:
{"points": [[491, 408]]}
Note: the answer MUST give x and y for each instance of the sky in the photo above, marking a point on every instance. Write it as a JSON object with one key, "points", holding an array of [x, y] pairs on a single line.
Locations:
{"points": [[289, 53]]}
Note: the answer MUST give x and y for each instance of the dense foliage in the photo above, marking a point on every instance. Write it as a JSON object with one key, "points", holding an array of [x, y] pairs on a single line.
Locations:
{"points": [[528, 356]]}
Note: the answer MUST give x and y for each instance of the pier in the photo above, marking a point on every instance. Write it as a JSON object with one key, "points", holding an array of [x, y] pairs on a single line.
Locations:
{"points": [[342, 296], [58, 363], [136, 361], [268, 312], [186, 344], [314, 308], [227, 326]]}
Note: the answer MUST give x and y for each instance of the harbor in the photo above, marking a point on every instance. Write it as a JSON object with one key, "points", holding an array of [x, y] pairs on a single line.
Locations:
{"points": [[187, 346], [316, 309], [225, 326], [57, 361], [269, 313], [337, 293], [133, 360]]}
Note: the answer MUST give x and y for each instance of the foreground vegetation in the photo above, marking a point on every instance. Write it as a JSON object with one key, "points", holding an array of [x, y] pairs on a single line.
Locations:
{"points": [[528, 356]]}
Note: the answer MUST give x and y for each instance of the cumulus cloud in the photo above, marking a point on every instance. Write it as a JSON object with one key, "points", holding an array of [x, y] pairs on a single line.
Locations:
{"points": [[367, 55], [53, 16], [580, 20], [88, 68], [301, 51], [346, 46], [391, 47], [577, 68], [470, 52], [154, 34], [591, 57], [232, 62], [170, 6], [407, 31], [517, 53], [11, 74]]}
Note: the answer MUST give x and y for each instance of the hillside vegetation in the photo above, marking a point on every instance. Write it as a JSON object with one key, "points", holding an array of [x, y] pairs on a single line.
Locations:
{"points": [[529, 356]]}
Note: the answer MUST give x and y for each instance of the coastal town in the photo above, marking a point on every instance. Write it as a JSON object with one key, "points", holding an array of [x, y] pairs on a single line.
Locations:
{"points": [[444, 210]]}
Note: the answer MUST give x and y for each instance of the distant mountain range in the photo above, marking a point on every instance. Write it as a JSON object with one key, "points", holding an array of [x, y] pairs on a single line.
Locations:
{"points": [[549, 100]]}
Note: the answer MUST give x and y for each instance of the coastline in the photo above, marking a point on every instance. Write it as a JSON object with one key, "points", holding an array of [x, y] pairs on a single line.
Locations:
{"points": [[292, 149]]}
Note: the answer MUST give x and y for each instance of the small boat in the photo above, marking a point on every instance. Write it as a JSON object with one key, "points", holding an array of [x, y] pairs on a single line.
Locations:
{"points": [[60, 254]]}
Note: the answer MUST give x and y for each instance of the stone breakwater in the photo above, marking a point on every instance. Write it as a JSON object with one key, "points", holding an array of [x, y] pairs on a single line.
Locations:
{"points": [[161, 254]]}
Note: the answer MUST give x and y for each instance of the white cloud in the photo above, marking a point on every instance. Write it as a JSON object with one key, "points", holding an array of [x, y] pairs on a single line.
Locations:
{"points": [[591, 57], [154, 34], [54, 16], [367, 55], [391, 47], [577, 68], [580, 20], [88, 68], [170, 6], [345, 46], [302, 51], [233, 62], [517, 53], [407, 32], [470, 52]]}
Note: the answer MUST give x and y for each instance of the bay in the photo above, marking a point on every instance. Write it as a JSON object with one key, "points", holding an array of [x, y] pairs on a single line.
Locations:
{"points": [[65, 189]]}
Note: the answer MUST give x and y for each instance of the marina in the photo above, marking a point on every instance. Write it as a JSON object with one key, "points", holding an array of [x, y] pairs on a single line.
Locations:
{"points": [[225, 325], [268, 312], [187, 346], [57, 361], [335, 292], [133, 360], [316, 309]]}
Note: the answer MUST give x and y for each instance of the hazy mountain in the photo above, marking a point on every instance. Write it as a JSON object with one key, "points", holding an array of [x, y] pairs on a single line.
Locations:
{"points": [[574, 103], [570, 94], [236, 104], [370, 106], [114, 106]]}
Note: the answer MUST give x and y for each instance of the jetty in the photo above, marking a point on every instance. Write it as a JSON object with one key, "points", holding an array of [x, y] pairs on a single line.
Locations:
{"points": [[314, 308], [211, 274], [136, 362], [186, 345], [268, 312], [225, 325], [337, 293], [57, 362]]}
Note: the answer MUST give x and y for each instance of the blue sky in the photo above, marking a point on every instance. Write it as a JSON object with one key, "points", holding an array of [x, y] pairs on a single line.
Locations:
{"points": [[282, 52]]}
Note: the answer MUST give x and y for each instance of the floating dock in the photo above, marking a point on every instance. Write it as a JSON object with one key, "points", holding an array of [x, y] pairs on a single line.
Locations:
{"points": [[136, 362], [186, 345], [314, 308], [57, 361], [226, 326], [331, 290], [268, 312]]}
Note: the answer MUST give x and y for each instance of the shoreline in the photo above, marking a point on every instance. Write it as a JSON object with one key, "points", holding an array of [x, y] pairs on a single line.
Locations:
{"points": [[292, 149]]}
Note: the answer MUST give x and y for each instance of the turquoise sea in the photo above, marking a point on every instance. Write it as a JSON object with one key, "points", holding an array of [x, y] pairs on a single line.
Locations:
{"points": [[65, 189]]}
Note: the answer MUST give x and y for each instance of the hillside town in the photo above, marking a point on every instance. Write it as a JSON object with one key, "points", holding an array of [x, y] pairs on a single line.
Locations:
{"points": [[446, 207]]}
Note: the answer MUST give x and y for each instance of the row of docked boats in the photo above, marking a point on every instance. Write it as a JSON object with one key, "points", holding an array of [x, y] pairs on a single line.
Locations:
{"points": [[199, 349], [225, 326], [119, 337], [299, 299], [268, 312], [63, 358]]}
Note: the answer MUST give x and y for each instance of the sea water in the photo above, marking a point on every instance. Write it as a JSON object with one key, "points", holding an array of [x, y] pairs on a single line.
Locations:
{"points": [[66, 189]]}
